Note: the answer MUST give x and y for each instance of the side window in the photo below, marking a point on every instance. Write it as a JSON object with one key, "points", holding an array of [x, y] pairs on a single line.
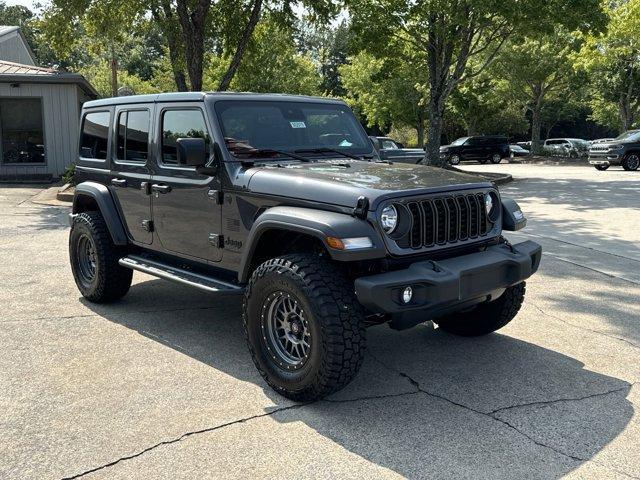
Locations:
{"points": [[389, 145], [180, 124], [95, 135], [133, 135]]}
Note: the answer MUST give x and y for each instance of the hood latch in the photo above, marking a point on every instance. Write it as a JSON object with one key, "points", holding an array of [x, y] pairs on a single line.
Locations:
{"points": [[362, 207]]}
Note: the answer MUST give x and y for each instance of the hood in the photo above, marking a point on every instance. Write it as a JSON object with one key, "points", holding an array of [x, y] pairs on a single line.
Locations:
{"points": [[444, 148], [342, 182], [607, 145]]}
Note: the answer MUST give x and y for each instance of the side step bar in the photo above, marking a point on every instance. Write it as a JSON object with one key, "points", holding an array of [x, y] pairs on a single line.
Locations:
{"points": [[178, 275]]}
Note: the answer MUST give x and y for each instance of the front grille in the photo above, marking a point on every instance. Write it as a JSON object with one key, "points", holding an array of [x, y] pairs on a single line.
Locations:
{"points": [[446, 220], [599, 148]]}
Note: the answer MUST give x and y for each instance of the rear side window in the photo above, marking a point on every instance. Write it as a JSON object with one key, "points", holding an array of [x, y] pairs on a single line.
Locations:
{"points": [[180, 124], [133, 135], [95, 135]]}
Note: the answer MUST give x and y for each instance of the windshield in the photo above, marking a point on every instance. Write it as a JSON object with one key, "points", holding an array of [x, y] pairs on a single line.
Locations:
{"points": [[252, 126], [460, 141], [632, 135]]}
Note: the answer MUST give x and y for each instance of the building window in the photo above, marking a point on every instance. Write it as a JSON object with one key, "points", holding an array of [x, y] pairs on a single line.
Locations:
{"points": [[180, 124], [22, 133], [95, 135], [133, 135]]}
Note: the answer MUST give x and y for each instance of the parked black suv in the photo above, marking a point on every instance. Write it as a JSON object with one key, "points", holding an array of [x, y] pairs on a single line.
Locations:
{"points": [[624, 150], [283, 198], [480, 148]]}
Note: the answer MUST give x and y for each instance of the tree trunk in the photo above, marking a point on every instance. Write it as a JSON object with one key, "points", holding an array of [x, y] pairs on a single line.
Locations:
{"points": [[254, 18], [436, 116], [163, 15], [193, 26], [536, 125], [114, 73], [420, 132], [626, 113]]}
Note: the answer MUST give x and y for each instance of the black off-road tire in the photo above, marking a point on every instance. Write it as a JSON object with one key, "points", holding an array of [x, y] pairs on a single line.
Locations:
{"points": [[631, 162], [602, 168], [109, 281], [486, 317], [454, 159], [496, 158], [334, 318]]}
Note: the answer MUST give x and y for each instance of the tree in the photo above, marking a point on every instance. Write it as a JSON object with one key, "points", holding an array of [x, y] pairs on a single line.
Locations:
{"points": [[272, 52], [386, 91], [451, 32], [612, 61], [550, 76]]}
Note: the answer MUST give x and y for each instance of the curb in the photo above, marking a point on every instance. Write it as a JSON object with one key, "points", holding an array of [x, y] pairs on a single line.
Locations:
{"points": [[497, 178], [65, 193]]}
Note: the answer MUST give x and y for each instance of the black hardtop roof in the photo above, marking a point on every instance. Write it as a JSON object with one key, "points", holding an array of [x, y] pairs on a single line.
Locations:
{"points": [[200, 96]]}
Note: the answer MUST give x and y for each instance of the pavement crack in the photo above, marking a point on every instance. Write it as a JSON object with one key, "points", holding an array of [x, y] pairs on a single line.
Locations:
{"points": [[180, 438], [492, 415], [559, 400], [598, 332]]}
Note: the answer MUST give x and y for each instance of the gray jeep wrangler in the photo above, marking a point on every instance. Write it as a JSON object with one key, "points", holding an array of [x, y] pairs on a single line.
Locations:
{"points": [[284, 199]]}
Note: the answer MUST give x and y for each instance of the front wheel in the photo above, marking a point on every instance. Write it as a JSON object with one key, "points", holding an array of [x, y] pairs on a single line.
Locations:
{"points": [[631, 162], [602, 168], [304, 326], [486, 317], [496, 158], [454, 160]]}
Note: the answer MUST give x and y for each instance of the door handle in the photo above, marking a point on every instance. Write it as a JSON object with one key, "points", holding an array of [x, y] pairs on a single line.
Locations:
{"points": [[119, 182], [158, 188]]}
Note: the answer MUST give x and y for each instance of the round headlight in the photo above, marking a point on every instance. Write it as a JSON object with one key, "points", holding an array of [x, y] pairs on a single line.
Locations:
{"points": [[389, 218], [491, 206]]}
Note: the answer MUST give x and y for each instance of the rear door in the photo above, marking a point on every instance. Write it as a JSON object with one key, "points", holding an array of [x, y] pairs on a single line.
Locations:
{"points": [[130, 172], [186, 210], [472, 148]]}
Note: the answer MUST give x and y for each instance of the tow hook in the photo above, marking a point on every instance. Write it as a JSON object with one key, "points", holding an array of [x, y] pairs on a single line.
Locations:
{"points": [[508, 244]]}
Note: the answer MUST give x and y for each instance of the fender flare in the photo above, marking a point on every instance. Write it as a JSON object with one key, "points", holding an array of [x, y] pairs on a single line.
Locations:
{"points": [[107, 207], [512, 217], [316, 223]]}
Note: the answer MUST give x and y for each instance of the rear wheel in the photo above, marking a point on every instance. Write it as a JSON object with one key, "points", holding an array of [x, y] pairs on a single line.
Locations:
{"points": [[602, 168], [486, 317], [631, 162], [94, 260], [496, 158], [304, 326]]}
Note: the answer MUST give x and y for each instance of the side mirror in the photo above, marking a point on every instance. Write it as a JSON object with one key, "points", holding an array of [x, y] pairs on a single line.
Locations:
{"points": [[192, 152]]}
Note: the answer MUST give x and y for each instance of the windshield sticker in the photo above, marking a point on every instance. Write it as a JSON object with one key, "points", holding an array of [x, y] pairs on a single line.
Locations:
{"points": [[298, 125]]}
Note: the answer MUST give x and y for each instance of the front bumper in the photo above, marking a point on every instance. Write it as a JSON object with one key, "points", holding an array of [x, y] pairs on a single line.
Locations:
{"points": [[449, 284], [604, 158]]}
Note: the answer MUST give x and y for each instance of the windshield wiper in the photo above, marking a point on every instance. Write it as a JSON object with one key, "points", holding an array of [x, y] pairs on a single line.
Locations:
{"points": [[269, 151], [327, 150]]}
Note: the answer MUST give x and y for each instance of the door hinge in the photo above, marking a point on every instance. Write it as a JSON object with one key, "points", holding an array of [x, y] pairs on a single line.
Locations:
{"points": [[216, 195], [147, 225], [216, 240]]}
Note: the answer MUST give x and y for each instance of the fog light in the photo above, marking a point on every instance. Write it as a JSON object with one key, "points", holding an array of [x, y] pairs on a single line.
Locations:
{"points": [[407, 294]]}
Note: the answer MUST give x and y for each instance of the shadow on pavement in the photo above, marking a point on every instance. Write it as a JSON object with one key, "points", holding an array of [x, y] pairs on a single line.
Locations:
{"points": [[461, 420]]}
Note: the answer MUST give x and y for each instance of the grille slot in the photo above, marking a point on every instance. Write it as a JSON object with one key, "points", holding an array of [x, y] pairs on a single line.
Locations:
{"points": [[445, 220]]}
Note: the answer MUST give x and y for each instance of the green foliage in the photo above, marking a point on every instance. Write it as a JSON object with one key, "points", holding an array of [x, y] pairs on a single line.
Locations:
{"points": [[69, 174], [99, 75], [612, 62], [386, 90], [271, 64]]}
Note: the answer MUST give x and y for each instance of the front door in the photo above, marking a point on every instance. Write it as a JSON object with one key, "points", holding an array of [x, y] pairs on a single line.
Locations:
{"points": [[186, 210], [130, 173]]}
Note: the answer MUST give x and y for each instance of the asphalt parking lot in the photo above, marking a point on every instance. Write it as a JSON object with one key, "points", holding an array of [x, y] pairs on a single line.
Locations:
{"points": [[160, 385]]}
